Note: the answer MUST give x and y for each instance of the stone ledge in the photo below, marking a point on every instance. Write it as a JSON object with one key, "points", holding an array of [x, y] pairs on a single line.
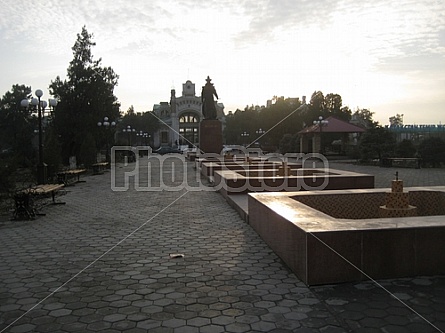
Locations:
{"points": [[321, 249]]}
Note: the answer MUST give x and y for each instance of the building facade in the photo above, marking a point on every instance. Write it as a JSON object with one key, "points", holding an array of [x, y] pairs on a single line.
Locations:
{"points": [[416, 132], [180, 118]]}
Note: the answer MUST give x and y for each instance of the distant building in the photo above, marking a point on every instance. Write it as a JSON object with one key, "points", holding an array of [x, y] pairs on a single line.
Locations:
{"points": [[416, 132], [180, 118], [289, 100]]}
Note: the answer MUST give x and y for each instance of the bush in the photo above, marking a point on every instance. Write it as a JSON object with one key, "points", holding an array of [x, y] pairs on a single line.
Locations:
{"points": [[432, 152], [405, 148], [376, 143], [289, 144], [6, 171]]}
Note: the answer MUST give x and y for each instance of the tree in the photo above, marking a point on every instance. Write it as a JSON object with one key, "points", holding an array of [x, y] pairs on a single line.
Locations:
{"points": [[278, 120], [86, 97], [289, 144], [317, 104], [333, 103], [376, 143], [396, 120], [285, 116], [17, 126], [146, 122], [363, 117], [405, 148], [432, 151], [130, 110]]}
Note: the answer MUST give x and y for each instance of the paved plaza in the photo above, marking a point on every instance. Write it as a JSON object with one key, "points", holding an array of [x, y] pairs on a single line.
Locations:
{"points": [[182, 260]]}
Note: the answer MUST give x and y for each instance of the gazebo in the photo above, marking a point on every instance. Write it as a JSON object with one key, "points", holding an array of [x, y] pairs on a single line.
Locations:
{"points": [[310, 137]]}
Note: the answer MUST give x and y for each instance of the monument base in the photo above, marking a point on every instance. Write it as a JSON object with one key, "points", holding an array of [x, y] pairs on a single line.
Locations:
{"points": [[210, 136]]}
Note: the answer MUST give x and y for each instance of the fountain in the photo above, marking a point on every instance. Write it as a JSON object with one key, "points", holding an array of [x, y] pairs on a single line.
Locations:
{"points": [[337, 236], [397, 202]]}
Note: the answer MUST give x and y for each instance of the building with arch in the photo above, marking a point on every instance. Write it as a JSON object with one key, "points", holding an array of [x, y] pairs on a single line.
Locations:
{"points": [[180, 118]]}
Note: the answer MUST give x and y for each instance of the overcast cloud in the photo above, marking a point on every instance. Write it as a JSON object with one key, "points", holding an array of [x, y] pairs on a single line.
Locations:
{"points": [[146, 42]]}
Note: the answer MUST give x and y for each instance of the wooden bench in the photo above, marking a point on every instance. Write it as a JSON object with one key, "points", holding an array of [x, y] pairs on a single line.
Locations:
{"points": [[402, 162], [66, 177], [25, 200], [99, 168]]}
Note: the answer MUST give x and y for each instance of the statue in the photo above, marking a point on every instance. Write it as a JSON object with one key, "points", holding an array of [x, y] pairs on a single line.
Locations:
{"points": [[208, 103]]}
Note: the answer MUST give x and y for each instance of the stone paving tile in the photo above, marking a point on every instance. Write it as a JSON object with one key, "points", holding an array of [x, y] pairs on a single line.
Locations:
{"points": [[102, 262], [382, 176]]}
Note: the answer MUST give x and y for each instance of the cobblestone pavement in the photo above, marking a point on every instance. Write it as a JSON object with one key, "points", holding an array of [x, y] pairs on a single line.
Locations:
{"points": [[103, 262], [411, 177]]}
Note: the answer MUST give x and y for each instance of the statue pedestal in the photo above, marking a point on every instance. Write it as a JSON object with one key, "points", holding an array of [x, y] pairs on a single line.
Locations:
{"points": [[210, 136]]}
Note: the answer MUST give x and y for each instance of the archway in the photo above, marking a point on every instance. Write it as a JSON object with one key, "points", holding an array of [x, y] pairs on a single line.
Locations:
{"points": [[189, 128]]}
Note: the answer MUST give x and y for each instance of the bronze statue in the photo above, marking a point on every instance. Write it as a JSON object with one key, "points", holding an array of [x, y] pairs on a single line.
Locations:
{"points": [[208, 103]]}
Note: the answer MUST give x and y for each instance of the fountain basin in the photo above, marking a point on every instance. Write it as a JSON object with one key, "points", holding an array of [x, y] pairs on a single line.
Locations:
{"points": [[337, 236], [208, 168], [302, 179]]}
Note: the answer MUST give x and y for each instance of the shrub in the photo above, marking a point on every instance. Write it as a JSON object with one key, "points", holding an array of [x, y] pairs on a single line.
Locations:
{"points": [[405, 148], [432, 152]]}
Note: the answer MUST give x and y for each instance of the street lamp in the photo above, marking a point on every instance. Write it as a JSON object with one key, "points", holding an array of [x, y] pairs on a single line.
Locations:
{"points": [[131, 157], [321, 122], [129, 130], [41, 105], [140, 134], [146, 138], [107, 125], [245, 135], [260, 131], [143, 137]]}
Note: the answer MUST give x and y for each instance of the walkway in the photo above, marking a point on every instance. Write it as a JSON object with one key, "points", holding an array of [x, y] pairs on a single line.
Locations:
{"points": [[181, 261]]}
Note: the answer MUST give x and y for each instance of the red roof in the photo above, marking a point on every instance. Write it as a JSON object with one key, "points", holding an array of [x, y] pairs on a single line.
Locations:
{"points": [[334, 125]]}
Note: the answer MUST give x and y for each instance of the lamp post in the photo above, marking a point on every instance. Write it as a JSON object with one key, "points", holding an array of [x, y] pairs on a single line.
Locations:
{"points": [[245, 135], [131, 157], [129, 130], [41, 105], [259, 133], [107, 125], [321, 122], [140, 134], [146, 138], [143, 137]]}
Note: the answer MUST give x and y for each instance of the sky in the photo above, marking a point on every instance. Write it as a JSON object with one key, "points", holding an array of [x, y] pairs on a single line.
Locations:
{"points": [[384, 56]]}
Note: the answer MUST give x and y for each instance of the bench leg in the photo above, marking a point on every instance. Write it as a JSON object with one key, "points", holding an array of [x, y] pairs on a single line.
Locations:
{"points": [[53, 196]]}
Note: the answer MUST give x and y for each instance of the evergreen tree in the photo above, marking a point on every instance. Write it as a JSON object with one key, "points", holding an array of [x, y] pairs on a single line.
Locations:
{"points": [[17, 126], [86, 97]]}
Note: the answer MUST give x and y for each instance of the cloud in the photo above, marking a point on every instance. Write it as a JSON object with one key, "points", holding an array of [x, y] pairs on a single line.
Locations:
{"points": [[270, 46], [269, 18], [383, 28]]}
